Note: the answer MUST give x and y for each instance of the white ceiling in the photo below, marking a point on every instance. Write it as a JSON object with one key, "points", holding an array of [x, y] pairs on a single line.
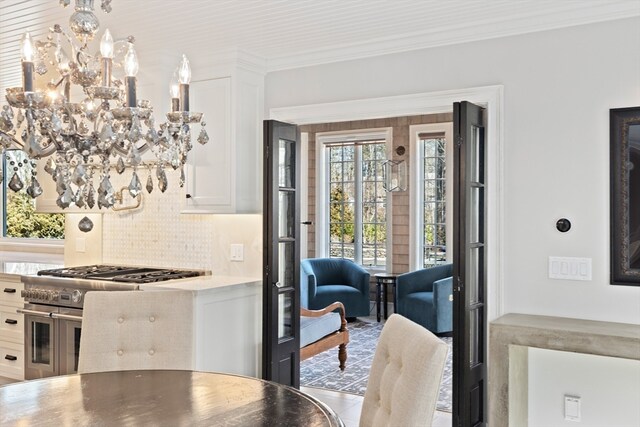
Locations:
{"points": [[294, 33]]}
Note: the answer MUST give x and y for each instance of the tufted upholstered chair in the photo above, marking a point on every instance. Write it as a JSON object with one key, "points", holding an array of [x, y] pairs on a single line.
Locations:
{"points": [[405, 376], [128, 330]]}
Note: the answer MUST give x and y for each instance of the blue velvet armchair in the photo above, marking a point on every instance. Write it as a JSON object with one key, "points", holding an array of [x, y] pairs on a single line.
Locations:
{"points": [[424, 297], [326, 280]]}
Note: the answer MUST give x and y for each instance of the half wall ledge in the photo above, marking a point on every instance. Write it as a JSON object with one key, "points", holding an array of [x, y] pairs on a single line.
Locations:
{"points": [[511, 334]]}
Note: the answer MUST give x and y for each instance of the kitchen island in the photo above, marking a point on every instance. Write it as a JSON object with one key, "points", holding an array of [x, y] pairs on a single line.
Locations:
{"points": [[228, 321]]}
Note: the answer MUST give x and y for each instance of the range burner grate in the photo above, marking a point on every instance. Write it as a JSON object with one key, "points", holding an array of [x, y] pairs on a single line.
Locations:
{"points": [[116, 273], [155, 276]]}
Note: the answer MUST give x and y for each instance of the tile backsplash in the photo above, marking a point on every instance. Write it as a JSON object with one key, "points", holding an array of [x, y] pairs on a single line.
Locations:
{"points": [[157, 234]]}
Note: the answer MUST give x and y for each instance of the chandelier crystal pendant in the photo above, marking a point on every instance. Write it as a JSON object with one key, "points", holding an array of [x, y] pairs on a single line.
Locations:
{"points": [[107, 128]]}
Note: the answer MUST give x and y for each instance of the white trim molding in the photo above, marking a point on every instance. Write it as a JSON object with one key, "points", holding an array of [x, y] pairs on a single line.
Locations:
{"points": [[490, 97]]}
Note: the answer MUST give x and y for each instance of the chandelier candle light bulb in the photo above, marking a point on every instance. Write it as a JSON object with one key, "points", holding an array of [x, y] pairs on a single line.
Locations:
{"points": [[106, 50], [185, 79], [131, 69], [174, 90], [27, 63]]}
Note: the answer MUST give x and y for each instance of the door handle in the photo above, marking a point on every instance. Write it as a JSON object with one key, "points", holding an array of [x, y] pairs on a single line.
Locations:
{"points": [[66, 317], [10, 357], [307, 223], [9, 290], [278, 284], [11, 321], [34, 313]]}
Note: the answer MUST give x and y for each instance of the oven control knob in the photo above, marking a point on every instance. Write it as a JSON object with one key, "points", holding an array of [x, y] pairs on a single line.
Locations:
{"points": [[24, 293], [53, 295], [76, 296]]}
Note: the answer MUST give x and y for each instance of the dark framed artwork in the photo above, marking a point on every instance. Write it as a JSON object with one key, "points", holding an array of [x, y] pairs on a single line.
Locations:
{"points": [[625, 196]]}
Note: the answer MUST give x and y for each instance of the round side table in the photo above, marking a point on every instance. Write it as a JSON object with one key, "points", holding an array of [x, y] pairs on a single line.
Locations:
{"points": [[383, 280]]}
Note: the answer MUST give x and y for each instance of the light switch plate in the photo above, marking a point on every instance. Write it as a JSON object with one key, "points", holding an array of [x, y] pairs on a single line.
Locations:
{"points": [[237, 252], [572, 408], [569, 268], [81, 244]]}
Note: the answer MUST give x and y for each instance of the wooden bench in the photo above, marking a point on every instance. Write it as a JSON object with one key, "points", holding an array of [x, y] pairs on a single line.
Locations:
{"points": [[334, 335]]}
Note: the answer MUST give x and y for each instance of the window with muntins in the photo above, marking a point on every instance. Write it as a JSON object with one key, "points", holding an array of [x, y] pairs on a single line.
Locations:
{"points": [[357, 202], [18, 209], [434, 206]]}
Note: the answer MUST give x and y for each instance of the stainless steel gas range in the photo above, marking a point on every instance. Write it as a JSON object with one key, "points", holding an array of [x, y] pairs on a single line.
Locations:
{"points": [[53, 310]]}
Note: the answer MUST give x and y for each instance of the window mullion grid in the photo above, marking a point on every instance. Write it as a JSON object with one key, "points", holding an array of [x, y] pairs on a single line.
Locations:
{"points": [[358, 204], [434, 203]]}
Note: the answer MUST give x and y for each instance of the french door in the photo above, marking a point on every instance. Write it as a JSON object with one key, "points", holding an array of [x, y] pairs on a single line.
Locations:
{"points": [[281, 254], [469, 267]]}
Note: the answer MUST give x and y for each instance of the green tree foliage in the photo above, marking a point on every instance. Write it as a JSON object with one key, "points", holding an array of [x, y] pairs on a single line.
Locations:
{"points": [[341, 217], [22, 221]]}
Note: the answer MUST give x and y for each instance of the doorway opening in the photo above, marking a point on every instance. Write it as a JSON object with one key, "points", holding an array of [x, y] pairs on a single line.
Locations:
{"points": [[349, 213], [490, 99]]}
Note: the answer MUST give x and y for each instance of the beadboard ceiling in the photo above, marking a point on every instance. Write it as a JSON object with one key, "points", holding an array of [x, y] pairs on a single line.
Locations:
{"points": [[293, 33]]}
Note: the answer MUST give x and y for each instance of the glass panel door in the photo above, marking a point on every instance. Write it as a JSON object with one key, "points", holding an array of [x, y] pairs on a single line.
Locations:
{"points": [[281, 254], [40, 347], [69, 346], [469, 268]]}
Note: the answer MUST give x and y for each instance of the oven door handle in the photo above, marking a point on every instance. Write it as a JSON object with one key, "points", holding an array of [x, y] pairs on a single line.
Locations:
{"points": [[34, 313], [66, 317]]}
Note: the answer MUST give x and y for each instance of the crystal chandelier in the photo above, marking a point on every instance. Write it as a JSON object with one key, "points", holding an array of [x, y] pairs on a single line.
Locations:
{"points": [[106, 128]]}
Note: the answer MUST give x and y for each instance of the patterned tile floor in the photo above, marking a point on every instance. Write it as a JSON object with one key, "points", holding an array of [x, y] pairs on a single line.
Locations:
{"points": [[322, 371]]}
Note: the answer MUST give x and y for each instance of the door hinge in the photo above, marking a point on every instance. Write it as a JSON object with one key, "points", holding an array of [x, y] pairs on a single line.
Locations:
{"points": [[459, 140]]}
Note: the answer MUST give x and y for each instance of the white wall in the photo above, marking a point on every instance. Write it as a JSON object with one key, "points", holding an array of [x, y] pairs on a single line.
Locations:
{"points": [[609, 389], [559, 86]]}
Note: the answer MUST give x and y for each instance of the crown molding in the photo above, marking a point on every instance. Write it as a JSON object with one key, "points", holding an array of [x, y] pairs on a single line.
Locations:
{"points": [[391, 106], [505, 26]]}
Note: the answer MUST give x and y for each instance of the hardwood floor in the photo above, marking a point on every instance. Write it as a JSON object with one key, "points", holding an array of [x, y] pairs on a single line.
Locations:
{"points": [[348, 406], [5, 381]]}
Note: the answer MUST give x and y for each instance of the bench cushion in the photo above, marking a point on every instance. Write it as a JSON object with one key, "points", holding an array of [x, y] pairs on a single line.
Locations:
{"points": [[314, 328]]}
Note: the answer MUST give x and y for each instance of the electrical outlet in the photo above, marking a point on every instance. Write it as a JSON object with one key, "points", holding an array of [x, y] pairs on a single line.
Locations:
{"points": [[237, 252], [571, 408]]}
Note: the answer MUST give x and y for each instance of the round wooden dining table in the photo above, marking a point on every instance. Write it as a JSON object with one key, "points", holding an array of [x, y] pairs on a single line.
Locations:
{"points": [[159, 398]]}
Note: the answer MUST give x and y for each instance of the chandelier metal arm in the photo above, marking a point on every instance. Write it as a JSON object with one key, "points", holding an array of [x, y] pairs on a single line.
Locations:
{"points": [[15, 143]]}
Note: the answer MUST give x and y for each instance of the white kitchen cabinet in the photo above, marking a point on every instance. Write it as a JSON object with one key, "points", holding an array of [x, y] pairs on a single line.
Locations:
{"points": [[11, 328], [224, 176], [227, 322], [228, 331]]}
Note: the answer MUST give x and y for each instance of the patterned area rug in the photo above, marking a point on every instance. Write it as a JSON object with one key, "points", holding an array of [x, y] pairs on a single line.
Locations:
{"points": [[322, 370]]}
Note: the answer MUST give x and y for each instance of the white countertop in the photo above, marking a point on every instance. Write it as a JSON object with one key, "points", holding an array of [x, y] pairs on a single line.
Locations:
{"points": [[202, 284], [19, 264]]}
